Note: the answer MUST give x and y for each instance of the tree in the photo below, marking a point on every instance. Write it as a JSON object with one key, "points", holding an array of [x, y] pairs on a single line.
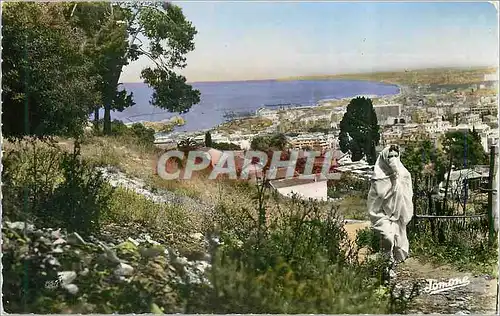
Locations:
{"points": [[271, 142], [359, 130], [464, 149], [47, 80], [208, 139], [170, 37], [424, 159], [106, 44]]}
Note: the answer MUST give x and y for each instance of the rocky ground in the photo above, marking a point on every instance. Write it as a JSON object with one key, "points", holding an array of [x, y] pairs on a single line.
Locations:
{"points": [[71, 265], [119, 179]]}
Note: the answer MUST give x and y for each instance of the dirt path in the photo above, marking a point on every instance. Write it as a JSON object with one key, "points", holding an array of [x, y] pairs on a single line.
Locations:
{"points": [[479, 296]]}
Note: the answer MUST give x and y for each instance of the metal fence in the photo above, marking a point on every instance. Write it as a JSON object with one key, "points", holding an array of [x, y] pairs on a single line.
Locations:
{"points": [[466, 205]]}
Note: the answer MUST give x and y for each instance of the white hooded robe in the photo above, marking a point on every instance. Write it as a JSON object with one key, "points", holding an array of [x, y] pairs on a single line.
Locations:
{"points": [[390, 204]]}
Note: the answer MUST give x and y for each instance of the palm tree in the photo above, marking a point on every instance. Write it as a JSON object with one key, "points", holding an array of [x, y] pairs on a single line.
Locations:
{"points": [[187, 144]]}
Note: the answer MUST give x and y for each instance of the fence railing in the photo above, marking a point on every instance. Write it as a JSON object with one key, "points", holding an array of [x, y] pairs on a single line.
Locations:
{"points": [[461, 207]]}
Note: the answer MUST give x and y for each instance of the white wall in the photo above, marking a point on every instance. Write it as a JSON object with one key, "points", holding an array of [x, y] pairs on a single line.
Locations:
{"points": [[315, 190]]}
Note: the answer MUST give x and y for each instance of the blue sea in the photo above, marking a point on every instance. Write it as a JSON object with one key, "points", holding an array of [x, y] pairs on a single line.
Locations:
{"points": [[219, 98]]}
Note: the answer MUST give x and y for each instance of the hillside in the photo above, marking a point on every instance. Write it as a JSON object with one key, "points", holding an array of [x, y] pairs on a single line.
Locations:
{"points": [[429, 76]]}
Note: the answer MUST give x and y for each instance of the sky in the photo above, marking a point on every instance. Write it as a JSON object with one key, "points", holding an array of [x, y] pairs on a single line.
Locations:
{"points": [[265, 40]]}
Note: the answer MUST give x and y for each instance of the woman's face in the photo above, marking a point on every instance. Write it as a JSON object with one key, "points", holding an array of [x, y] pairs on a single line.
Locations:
{"points": [[392, 158], [392, 154]]}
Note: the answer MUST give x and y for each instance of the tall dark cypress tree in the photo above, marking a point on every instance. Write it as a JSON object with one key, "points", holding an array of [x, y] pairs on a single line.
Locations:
{"points": [[208, 139], [359, 130]]}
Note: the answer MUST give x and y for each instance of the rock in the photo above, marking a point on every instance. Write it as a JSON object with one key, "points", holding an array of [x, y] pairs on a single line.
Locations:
{"points": [[75, 239], [132, 240], [67, 277], [124, 270], [151, 252], [216, 240], [110, 254], [57, 250], [197, 236], [59, 241], [148, 238], [182, 261], [71, 288], [20, 226], [44, 240], [84, 272], [53, 261], [56, 234]]}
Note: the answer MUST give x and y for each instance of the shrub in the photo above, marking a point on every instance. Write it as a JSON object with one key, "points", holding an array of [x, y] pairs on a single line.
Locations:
{"points": [[137, 133], [464, 246], [225, 146], [368, 238], [144, 135], [53, 188], [80, 200], [298, 260]]}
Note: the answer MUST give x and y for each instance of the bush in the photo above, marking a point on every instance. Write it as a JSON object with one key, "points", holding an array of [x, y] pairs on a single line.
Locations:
{"points": [[53, 188], [368, 238], [465, 246], [225, 146], [298, 260], [78, 203], [137, 133], [347, 185], [144, 135]]}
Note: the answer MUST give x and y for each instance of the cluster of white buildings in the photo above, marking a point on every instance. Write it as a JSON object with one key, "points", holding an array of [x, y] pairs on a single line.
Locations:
{"points": [[436, 127]]}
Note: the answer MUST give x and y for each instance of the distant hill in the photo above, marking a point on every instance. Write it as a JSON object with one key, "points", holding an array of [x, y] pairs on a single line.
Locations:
{"points": [[412, 77]]}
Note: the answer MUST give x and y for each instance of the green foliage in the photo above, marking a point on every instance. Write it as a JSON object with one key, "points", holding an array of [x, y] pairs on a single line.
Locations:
{"points": [[359, 130], [137, 132], [144, 135], [465, 244], [44, 67], [424, 159], [368, 238], [298, 260], [54, 188], [65, 59], [78, 202], [272, 142], [106, 44], [225, 146], [465, 149], [208, 139], [279, 290], [348, 184], [161, 219]]}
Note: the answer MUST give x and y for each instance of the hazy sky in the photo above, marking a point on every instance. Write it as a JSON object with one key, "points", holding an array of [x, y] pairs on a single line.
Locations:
{"points": [[262, 40]]}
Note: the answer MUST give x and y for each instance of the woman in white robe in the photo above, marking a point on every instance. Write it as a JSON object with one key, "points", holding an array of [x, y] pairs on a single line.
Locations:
{"points": [[390, 203]]}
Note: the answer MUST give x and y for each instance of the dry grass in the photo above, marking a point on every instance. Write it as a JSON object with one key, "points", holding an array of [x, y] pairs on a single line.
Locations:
{"points": [[353, 207], [237, 196]]}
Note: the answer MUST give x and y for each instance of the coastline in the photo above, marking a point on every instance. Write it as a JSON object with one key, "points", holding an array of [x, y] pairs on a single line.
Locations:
{"points": [[321, 102]]}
